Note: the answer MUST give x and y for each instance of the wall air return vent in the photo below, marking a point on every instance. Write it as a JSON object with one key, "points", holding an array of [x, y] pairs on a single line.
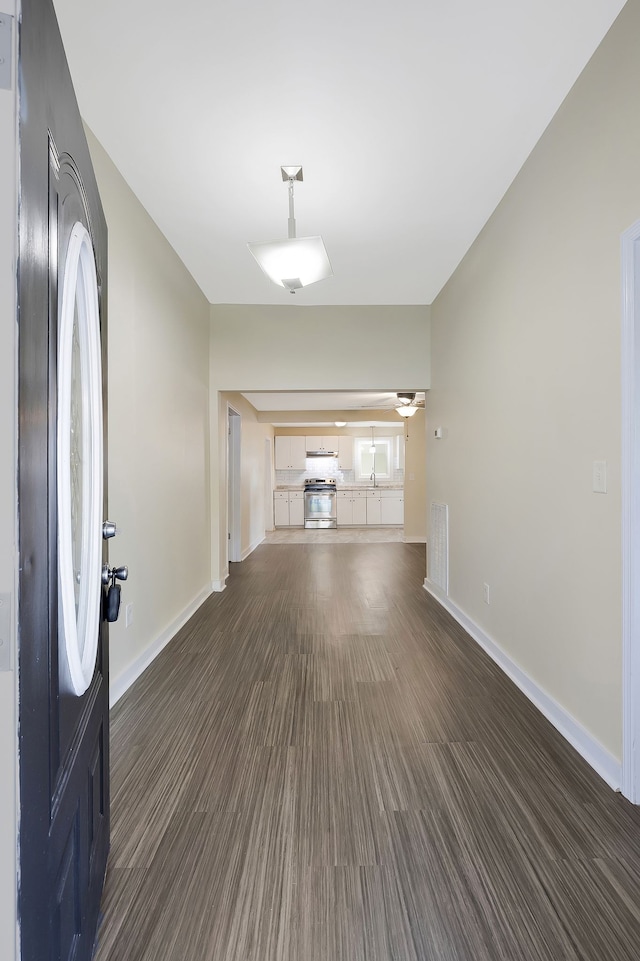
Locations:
{"points": [[439, 546]]}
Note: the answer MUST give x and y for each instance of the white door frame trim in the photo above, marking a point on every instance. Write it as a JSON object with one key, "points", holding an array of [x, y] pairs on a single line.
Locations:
{"points": [[234, 521], [630, 476]]}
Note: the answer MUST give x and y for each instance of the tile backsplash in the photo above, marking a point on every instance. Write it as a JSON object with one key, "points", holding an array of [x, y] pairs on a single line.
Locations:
{"points": [[325, 467]]}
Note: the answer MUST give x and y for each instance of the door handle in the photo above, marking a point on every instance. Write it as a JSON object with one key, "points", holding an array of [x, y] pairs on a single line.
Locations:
{"points": [[114, 573], [111, 598]]}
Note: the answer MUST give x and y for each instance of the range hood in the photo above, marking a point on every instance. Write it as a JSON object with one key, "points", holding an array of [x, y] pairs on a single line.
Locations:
{"points": [[322, 453]]}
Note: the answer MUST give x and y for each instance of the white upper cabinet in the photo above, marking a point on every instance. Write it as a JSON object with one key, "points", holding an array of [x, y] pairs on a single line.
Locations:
{"points": [[345, 452], [291, 452], [322, 444]]}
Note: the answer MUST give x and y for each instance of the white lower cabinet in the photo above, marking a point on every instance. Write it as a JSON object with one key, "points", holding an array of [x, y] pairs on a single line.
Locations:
{"points": [[373, 508], [296, 508], [392, 508], [351, 508], [360, 509], [385, 507], [288, 508], [355, 508], [281, 508]]}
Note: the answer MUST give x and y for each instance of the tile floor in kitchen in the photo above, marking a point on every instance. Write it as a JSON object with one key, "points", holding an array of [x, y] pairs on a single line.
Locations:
{"points": [[340, 535]]}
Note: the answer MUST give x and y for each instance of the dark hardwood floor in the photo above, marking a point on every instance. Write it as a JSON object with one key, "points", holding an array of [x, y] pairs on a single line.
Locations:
{"points": [[322, 766]]}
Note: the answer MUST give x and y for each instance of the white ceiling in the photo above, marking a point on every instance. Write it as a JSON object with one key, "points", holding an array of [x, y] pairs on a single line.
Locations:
{"points": [[325, 400], [358, 408], [410, 119]]}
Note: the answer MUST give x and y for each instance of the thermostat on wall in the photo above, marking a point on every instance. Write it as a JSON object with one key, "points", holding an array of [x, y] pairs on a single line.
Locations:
{"points": [[437, 432]]}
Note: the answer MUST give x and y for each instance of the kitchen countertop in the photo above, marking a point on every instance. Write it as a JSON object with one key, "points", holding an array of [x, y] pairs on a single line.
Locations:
{"points": [[346, 487]]}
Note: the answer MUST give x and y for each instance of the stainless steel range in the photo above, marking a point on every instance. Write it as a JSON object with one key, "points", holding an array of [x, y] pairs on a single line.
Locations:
{"points": [[320, 502]]}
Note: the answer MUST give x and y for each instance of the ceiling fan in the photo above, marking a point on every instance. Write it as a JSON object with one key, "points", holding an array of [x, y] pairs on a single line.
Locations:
{"points": [[401, 401]]}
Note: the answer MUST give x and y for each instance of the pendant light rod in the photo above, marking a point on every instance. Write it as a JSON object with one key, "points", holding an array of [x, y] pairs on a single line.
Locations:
{"points": [[292, 218], [290, 174]]}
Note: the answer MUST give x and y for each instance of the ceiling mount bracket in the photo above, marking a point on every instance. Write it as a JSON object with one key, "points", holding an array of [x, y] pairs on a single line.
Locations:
{"points": [[293, 172]]}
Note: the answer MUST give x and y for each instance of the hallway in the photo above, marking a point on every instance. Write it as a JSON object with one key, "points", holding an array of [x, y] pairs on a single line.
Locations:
{"points": [[322, 766]]}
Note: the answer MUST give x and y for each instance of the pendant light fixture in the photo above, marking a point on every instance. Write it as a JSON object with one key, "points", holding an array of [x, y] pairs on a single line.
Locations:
{"points": [[297, 261]]}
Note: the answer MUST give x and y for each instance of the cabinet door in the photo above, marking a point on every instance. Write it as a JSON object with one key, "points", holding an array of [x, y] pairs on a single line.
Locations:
{"points": [[281, 509], [314, 442], [298, 452], [360, 511], [283, 453], [373, 510], [344, 508], [296, 509], [345, 453], [392, 510]]}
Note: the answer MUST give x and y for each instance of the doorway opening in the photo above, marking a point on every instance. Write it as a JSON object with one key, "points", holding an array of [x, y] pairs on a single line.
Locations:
{"points": [[631, 512], [234, 513]]}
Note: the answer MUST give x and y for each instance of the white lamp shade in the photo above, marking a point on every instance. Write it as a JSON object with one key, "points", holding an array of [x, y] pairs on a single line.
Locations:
{"points": [[293, 263], [407, 411]]}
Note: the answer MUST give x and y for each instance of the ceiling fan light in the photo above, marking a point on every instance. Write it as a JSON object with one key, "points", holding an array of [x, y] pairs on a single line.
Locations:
{"points": [[293, 263], [406, 411], [406, 397]]}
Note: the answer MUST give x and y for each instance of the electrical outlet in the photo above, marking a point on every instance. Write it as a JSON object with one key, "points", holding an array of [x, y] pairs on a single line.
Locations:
{"points": [[128, 614], [485, 591]]}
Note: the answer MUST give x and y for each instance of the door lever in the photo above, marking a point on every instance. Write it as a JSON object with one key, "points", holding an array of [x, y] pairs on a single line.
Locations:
{"points": [[111, 600]]}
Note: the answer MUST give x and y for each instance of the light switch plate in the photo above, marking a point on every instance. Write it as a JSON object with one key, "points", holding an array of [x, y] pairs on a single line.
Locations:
{"points": [[5, 632], [600, 476]]}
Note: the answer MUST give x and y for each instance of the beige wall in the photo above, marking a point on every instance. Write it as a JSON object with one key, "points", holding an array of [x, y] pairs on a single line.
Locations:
{"points": [[415, 478], [526, 383], [8, 502], [312, 348], [309, 348], [158, 424]]}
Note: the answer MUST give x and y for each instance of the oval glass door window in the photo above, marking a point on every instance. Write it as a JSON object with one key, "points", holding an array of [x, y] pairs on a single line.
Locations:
{"points": [[79, 462]]}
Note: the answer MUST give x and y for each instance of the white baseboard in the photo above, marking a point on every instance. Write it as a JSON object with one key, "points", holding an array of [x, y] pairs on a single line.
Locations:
{"points": [[122, 683], [604, 763], [217, 586], [252, 547], [414, 540]]}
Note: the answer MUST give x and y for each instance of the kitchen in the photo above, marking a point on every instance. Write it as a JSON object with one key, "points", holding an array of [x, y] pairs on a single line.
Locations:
{"points": [[349, 474], [341, 479]]}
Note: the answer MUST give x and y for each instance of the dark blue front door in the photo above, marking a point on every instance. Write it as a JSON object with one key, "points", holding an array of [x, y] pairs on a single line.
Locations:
{"points": [[64, 735]]}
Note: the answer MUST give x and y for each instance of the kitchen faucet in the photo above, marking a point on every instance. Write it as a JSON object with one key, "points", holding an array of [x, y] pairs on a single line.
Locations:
{"points": [[372, 476]]}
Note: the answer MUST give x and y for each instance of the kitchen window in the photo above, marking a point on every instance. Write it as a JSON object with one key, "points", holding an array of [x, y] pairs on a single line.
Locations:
{"points": [[364, 459]]}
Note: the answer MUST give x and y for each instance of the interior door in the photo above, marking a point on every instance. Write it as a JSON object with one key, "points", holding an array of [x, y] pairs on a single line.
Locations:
{"points": [[64, 735]]}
